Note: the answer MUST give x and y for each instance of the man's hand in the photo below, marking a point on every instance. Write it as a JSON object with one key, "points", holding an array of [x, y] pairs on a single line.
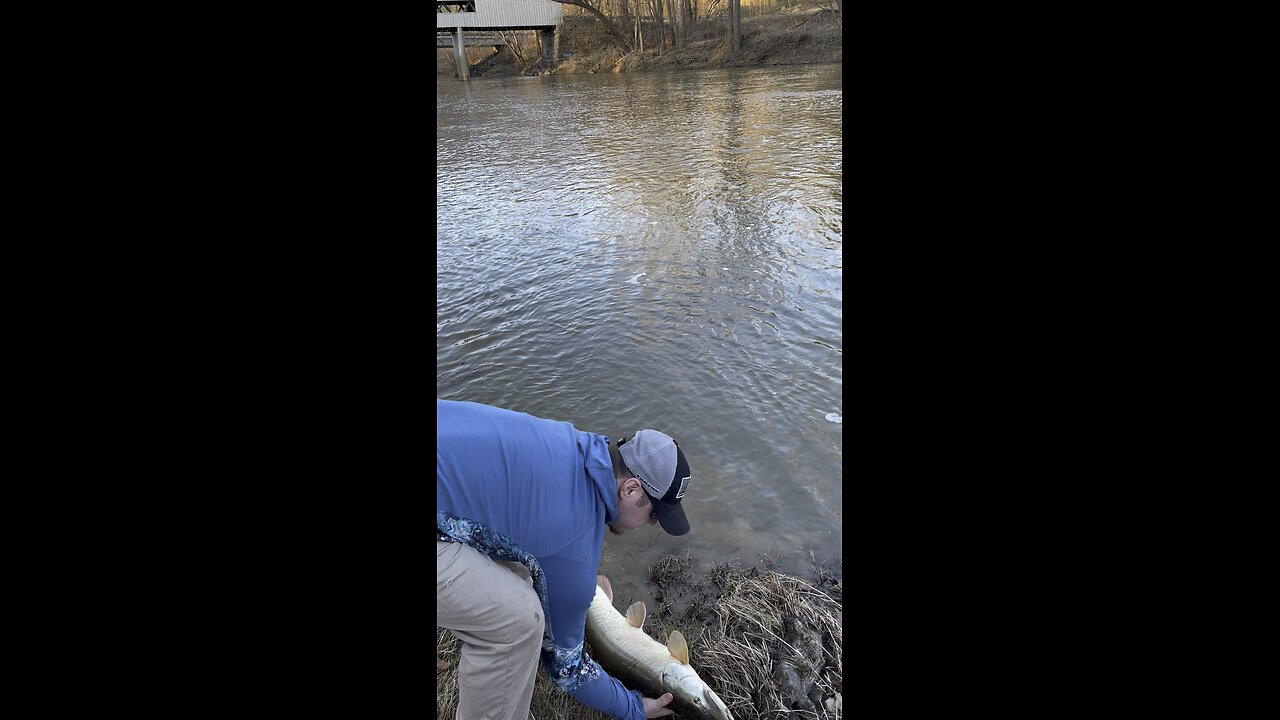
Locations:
{"points": [[603, 582], [658, 708]]}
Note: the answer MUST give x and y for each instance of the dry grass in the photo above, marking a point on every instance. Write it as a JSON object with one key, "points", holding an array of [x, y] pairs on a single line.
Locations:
{"points": [[748, 640], [741, 615]]}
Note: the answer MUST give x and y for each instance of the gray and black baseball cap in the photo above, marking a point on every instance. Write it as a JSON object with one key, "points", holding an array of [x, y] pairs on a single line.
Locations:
{"points": [[664, 474]]}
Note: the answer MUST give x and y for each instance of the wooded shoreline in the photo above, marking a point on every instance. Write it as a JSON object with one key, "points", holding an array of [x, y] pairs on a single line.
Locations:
{"points": [[792, 38]]}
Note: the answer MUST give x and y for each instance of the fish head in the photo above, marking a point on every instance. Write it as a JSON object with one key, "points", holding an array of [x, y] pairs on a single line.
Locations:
{"points": [[691, 697]]}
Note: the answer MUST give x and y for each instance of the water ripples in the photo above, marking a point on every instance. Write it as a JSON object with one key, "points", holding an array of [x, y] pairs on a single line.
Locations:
{"points": [[658, 250]]}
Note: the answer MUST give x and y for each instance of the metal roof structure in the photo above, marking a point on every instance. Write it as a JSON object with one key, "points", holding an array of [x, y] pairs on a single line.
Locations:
{"points": [[497, 14]]}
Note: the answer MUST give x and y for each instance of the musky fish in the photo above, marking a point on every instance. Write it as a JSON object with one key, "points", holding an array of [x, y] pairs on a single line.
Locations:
{"points": [[622, 647]]}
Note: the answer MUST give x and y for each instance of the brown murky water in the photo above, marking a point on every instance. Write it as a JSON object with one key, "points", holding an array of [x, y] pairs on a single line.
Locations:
{"points": [[658, 250]]}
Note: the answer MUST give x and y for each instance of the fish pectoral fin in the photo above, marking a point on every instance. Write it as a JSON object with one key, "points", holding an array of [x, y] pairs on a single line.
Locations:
{"points": [[636, 614], [677, 646]]}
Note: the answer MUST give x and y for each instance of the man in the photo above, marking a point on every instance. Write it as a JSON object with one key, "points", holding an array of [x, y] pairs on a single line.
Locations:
{"points": [[521, 508]]}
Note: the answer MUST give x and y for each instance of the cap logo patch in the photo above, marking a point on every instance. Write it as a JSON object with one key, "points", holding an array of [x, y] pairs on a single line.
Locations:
{"points": [[684, 485]]}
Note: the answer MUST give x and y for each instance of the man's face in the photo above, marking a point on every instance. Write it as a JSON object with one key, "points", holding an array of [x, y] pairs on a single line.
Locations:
{"points": [[634, 508]]}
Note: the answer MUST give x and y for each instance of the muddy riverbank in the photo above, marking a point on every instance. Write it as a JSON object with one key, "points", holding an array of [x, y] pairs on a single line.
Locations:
{"points": [[766, 643]]}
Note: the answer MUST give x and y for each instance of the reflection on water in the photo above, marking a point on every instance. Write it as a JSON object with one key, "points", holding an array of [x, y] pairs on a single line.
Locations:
{"points": [[658, 250]]}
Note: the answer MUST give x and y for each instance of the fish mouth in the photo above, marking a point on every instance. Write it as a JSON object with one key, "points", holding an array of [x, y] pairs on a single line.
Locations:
{"points": [[701, 701]]}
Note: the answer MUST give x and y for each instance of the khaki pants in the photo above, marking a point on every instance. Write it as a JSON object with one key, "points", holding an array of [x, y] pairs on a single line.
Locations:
{"points": [[495, 614]]}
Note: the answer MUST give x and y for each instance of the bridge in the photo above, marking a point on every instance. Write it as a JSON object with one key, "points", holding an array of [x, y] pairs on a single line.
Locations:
{"points": [[445, 40], [453, 16]]}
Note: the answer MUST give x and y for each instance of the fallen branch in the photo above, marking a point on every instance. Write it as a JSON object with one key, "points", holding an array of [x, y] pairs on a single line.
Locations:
{"points": [[823, 10]]}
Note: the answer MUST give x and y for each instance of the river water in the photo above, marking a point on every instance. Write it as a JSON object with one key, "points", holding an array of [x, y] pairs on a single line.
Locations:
{"points": [[659, 250]]}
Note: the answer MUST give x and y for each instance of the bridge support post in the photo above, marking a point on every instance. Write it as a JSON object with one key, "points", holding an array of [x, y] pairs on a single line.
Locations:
{"points": [[459, 53], [548, 46]]}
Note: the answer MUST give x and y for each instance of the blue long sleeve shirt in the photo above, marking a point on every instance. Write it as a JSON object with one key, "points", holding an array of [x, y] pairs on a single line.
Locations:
{"points": [[549, 489]]}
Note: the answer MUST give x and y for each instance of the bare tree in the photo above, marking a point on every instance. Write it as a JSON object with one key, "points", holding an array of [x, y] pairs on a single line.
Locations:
{"points": [[713, 10], [513, 44], [824, 6], [735, 23], [656, 6], [686, 20], [677, 23], [614, 34]]}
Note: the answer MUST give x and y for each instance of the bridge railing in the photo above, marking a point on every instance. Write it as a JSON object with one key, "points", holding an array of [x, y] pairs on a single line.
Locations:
{"points": [[481, 39]]}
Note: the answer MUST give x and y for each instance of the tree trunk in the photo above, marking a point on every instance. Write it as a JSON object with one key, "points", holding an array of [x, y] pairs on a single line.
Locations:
{"points": [[735, 21], [677, 31], [688, 19], [662, 25]]}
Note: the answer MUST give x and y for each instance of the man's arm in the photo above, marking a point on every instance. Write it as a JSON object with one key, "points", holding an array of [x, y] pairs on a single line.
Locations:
{"points": [[570, 587]]}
